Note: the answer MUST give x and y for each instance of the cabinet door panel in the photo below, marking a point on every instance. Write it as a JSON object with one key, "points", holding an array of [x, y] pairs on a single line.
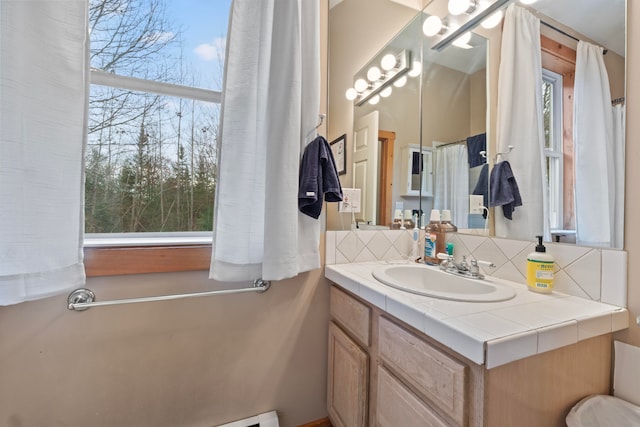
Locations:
{"points": [[435, 375], [397, 406], [351, 314], [348, 380]]}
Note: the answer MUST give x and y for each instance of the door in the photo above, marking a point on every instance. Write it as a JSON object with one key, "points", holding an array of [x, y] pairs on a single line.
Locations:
{"points": [[347, 383], [365, 165]]}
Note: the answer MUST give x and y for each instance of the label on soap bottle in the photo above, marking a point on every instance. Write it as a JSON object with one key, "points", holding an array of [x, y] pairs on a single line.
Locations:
{"points": [[540, 275]]}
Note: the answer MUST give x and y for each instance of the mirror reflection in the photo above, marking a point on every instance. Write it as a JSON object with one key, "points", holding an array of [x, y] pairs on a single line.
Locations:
{"points": [[426, 124]]}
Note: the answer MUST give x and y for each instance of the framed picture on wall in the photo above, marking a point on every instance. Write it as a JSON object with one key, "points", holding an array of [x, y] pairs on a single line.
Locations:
{"points": [[339, 149]]}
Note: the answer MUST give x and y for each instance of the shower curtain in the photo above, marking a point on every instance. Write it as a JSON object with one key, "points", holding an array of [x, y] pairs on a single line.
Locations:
{"points": [[597, 194], [520, 124], [619, 143], [269, 113], [452, 182]]}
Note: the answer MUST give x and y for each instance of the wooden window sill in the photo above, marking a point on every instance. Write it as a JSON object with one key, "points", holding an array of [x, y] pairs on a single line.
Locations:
{"points": [[113, 261]]}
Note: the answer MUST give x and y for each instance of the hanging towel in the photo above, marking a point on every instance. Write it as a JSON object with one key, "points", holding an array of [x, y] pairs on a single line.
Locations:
{"points": [[504, 189], [476, 144], [318, 177], [482, 188]]}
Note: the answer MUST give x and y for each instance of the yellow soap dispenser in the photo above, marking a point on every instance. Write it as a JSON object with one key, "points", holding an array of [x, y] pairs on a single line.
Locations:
{"points": [[540, 268]]}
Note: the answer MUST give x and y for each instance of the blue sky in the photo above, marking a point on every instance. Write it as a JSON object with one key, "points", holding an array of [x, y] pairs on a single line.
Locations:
{"points": [[204, 25]]}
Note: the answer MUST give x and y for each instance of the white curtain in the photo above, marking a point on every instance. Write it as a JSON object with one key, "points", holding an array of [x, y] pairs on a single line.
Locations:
{"points": [[520, 124], [452, 182], [619, 118], [43, 102], [594, 147], [269, 113]]}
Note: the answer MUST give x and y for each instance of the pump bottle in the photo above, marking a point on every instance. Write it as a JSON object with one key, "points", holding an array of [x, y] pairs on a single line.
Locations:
{"points": [[540, 268], [433, 239]]}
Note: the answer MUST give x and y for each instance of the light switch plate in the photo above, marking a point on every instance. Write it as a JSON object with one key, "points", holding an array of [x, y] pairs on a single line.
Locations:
{"points": [[475, 204], [351, 198]]}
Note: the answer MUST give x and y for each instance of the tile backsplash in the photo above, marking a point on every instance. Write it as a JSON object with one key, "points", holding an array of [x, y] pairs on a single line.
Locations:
{"points": [[592, 273]]}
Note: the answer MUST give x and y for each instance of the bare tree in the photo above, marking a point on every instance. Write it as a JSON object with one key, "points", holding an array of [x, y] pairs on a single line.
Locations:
{"points": [[146, 170], [130, 38]]}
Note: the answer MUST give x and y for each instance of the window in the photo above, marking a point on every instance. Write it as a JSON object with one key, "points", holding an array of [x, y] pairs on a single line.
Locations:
{"points": [[558, 75], [552, 119], [150, 163]]}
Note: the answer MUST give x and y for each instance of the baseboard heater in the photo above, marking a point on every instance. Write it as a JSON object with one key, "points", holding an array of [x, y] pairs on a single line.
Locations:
{"points": [[268, 419]]}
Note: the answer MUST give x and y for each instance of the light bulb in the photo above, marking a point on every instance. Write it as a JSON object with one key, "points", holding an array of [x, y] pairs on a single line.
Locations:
{"points": [[351, 94], [400, 82], [492, 20], [416, 69], [432, 26], [388, 62], [386, 92], [374, 74], [361, 85], [458, 7], [374, 100]]}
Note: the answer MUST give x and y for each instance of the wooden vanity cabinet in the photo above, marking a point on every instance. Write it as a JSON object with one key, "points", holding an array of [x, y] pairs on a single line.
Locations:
{"points": [[384, 373]]}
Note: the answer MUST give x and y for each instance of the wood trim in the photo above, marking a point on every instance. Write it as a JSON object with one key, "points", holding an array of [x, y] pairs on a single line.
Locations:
{"points": [[387, 140], [324, 422], [563, 57], [113, 261]]}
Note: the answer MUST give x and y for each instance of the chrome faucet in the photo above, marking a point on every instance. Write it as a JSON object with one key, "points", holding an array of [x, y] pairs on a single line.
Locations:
{"points": [[469, 269]]}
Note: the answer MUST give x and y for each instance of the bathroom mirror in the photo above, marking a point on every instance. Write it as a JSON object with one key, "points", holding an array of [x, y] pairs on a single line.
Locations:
{"points": [[362, 25]]}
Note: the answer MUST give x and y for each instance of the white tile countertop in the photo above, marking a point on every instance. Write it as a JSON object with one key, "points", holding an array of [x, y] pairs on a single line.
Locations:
{"points": [[490, 334]]}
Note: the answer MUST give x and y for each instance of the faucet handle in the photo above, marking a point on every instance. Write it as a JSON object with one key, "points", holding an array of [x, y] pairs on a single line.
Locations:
{"points": [[485, 263]]}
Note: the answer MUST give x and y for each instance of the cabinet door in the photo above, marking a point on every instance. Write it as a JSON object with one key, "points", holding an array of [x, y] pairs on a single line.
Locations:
{"points": [[347, 384], [396, 406], [438, 378]]}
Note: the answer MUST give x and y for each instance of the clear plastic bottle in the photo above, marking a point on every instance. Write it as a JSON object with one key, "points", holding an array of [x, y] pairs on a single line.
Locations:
{"points": [[445, 224], [433, 239]]}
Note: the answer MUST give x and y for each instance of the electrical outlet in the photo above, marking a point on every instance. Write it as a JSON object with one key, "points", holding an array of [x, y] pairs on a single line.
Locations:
{"points": [[476, 204]]}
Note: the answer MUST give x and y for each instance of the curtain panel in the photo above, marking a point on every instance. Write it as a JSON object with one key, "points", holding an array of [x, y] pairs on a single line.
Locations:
{"points": [[43, 107], [270, 110]]}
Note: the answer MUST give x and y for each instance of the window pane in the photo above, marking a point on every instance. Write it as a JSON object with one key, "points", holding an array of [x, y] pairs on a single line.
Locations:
{"points": [[150, 163], [179, 42], [547, 105], [554, 186]]}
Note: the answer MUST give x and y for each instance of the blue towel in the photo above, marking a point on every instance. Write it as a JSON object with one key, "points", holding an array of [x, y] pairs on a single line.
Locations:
{"points": [[476, 144], [318, 177], [504, 189]]}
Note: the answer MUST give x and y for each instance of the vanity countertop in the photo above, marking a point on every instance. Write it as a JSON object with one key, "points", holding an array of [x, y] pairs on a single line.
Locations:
{"points": [[490, 334]]}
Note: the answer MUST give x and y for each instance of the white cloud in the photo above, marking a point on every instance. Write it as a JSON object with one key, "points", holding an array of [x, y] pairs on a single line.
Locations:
{"points": [[211, 51]]}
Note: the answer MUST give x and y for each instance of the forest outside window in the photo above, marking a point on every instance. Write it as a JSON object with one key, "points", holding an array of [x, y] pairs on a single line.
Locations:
{"points": [[150, 160]]}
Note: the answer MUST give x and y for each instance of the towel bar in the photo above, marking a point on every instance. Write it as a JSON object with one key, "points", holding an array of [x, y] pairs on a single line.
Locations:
{"points": [[83, 299]]}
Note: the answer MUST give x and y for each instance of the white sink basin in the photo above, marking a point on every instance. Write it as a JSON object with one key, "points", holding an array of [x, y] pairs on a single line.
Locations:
{"points": [[433, 282]]}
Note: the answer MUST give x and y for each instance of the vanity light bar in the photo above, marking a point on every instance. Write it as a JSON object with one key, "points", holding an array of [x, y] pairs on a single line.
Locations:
{"points": [[403, 66], [470, 24]]}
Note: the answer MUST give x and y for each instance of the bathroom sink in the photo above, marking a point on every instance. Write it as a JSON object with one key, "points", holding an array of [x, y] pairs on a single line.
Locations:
{"points": [[433, 282]]}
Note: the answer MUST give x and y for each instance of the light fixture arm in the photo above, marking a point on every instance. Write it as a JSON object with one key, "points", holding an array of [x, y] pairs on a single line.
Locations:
{"points": [[470, 24], [402, 67]]}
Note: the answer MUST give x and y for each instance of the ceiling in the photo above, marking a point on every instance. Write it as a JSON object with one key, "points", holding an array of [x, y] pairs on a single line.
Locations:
{"points": [[603, 21]]}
